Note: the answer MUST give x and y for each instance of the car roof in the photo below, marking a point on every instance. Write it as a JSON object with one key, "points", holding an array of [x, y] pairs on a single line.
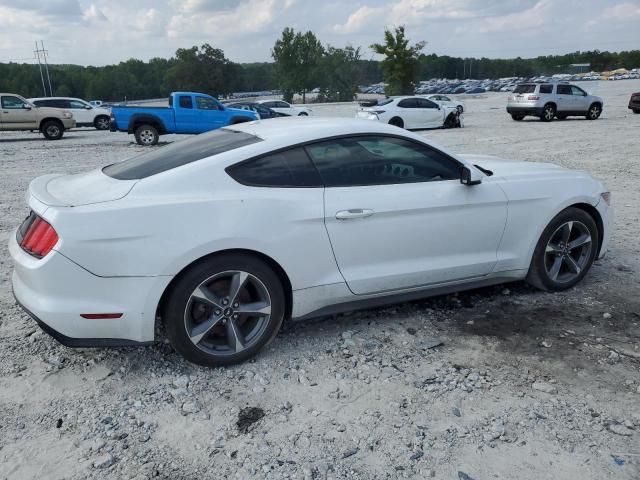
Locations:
{"points": [[286, 131], [57, 98]]}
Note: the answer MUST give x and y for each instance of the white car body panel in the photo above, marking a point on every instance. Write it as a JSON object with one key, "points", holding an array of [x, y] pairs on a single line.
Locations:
{"points": [[440, 99], [121, 242], [285, 108]]}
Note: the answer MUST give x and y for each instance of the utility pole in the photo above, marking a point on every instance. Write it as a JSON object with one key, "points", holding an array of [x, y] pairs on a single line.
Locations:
{"points": [[42, 52], [36, 53]]}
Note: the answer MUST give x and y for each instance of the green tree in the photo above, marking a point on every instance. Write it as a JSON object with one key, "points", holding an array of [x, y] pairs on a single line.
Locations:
{"points": [[340, 71], [297, 57], [400, 65]]}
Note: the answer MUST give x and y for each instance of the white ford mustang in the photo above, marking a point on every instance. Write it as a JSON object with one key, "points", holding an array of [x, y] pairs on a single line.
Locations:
{"points": [[224, 235], [412, 113]]}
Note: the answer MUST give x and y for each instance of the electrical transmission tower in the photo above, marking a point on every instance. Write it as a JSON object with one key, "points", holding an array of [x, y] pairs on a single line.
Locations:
{"points": [[41, 55]]}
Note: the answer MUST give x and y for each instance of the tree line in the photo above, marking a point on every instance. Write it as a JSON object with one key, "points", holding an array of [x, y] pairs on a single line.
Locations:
{"points": [[301, 63]]}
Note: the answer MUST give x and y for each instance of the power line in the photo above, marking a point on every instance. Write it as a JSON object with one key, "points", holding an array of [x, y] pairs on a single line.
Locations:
{"points": [[38, 52]]}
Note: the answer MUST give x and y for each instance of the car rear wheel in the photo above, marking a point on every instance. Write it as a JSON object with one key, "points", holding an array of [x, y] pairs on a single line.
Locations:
{"points": [[396, 122], [52, 130], [517, 116], [147, 135], [224, 310], [303, 114], [565, 252], [636, 110], [594, 112], [548, 112], [101, 122]]}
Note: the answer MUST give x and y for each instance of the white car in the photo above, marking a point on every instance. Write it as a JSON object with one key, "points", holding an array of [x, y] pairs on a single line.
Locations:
{"points": [[445, 100], [411, 113], [85, 114], [285, 108], [226, 234]]}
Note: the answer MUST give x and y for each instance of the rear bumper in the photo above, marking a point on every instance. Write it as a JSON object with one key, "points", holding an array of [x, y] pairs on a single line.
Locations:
{"points": [[55, 292], [524, 110]]}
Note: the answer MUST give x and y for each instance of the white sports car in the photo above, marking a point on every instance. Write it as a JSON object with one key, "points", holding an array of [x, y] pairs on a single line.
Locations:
{"points": [[411, 113], [448, 101], [225, 235]]}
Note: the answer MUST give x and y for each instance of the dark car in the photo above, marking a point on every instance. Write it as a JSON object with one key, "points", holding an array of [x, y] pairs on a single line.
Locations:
{"points": [[634, 102], [262, 111]]}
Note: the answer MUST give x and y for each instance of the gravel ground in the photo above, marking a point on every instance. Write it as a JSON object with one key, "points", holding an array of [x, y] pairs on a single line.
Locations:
{"points": [[497, 383]]}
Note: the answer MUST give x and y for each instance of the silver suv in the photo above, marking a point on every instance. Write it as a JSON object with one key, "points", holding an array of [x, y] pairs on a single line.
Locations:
{"points": [[552, 100]]}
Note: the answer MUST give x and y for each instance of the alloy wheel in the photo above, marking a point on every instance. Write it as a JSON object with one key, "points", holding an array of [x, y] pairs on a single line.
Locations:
{"points": [[594, 112], [147, 137], [568, 251], [549, 113], [102, 124], [227, 313]]}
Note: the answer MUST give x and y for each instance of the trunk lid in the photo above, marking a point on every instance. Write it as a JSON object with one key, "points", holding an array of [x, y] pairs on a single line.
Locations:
{"points": [[57, 190]]}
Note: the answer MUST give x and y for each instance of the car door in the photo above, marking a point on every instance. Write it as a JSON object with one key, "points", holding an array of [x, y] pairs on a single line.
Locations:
{"points": [[430, 114], [564, 98], [186, 116], [17, 114], [407, 109], [580, 99], [82, 112], [399, 218], [209, 114]]}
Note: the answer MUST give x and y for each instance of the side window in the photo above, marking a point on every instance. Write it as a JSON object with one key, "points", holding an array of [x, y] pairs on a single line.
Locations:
{"points": [[408, 103], [76, 104], [282, 105], [564, 90], [185, 101], [577, 91], [444, 99], [40, 103], [424, 103], [289, 168], [204, 103], [379, 160], [546, 88], [12, 103], [269, 104]]}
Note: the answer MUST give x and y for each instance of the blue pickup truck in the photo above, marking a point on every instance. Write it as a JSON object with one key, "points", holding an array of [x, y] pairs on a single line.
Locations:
{"points": [[187, 112]]}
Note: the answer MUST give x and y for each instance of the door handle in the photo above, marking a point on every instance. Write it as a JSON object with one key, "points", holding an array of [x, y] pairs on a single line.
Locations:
{"points": [[354, 213]]}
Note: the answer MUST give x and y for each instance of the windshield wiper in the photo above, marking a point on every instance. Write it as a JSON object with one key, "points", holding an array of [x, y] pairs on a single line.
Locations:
{"points": [[488, 173]]}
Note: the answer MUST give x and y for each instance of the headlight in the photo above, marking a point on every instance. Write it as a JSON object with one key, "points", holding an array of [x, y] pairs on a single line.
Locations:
{"points": [[606, 196], [66, 114]]}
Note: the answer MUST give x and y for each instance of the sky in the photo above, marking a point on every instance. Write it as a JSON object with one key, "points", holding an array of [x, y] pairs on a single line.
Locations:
{"points": [[95, 32]]}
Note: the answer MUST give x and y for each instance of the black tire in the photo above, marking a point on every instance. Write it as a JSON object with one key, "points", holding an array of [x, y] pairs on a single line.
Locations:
{"points": [[542, 270], [214, 348], [548, 112], [561, 116], [517, 116], [636, 110], [595, 109], [52, 129], [396, 122], [101, 122], [303, 114], [147, 135]]}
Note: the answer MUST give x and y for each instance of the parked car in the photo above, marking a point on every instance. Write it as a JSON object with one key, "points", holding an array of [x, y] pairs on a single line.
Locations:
{"points": [[225, 234], [85, 114], [18, 113], [188, 112], [634, 102], [444, 100], [285, 108], [411, 113], [262, 111], [553, 100]]}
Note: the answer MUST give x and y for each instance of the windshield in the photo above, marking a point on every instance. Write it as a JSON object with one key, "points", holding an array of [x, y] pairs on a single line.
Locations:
{"points": [[385, 101], [179, 153]]}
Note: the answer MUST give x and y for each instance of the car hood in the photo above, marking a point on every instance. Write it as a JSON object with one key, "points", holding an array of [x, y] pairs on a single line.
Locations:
{"points": [[513, 168], [241, 111], [80, 189]]}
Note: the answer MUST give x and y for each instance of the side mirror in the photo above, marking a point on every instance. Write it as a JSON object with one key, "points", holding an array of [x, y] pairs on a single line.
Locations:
{"points": [[88, 107], [469, 177], [26, 107]]}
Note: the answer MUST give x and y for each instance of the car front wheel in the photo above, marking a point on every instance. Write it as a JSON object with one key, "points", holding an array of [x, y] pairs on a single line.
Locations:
{"points": [[52, 130], [101, 122], [594, 112], [565, 251], [146, 135], [224, 310]]}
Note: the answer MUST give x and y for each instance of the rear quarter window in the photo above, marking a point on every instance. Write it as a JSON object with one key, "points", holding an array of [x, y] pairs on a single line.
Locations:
{"points": [[179, 153], [546, 88]]}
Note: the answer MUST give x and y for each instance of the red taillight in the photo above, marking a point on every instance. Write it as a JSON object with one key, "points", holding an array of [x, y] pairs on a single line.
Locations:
{"points": [[533, 97], [38, 237]]}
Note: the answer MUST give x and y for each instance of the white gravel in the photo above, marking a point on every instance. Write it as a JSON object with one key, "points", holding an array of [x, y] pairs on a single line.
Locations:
{"points": [[498, 383]]}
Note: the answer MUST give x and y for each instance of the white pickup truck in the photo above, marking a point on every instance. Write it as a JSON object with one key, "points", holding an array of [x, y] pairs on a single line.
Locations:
{"points": [[17, 113]]}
